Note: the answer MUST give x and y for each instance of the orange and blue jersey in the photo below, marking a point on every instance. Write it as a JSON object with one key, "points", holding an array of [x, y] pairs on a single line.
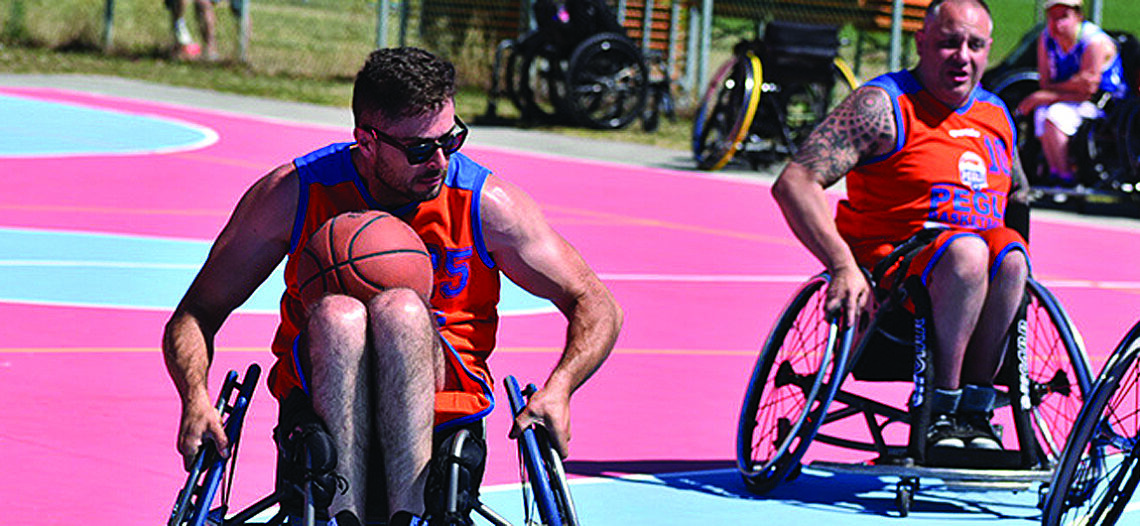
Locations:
{"points": [[465, 293], [949, 168]]}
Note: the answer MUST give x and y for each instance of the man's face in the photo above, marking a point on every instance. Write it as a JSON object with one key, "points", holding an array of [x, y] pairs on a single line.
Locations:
{"points": [[953, 50], [1064, 22], [390, 177]]}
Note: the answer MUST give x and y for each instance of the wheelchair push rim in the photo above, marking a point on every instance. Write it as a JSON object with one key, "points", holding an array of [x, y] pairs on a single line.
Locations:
{"points": [[542, 467], [790, 389]]}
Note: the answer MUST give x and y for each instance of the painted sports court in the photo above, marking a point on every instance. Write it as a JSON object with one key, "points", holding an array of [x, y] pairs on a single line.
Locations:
{"points": [[112, 191]]}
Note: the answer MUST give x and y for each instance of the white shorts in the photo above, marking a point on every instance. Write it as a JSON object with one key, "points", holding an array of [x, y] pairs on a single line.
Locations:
{"points": [[1066, 116]]}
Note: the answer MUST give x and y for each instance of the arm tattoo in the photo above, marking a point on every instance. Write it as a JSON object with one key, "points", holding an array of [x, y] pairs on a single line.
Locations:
{"points": [[861, 126], [1019, 190]]}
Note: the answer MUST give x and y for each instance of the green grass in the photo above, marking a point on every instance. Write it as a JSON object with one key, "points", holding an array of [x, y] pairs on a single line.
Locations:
{"points": [[308, 50]]}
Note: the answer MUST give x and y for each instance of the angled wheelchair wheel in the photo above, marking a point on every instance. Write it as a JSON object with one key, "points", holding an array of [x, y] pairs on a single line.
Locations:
{"points": [[1100, 468], [541, 467], [541, 83], [789, 112], [795, 378], [1012, 88], [1058, 371], [726, 111], [607, 82]]}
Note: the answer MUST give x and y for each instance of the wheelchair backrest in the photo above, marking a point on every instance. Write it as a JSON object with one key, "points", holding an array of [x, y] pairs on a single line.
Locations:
{"points": [[1129, 48], [569, 22], [798, 52]]}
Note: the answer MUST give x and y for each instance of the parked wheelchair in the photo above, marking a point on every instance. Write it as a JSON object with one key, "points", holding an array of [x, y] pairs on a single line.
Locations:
{"points": [[1106, 150], [763, 102], [799, 387], [306, 477], [578, 67]]}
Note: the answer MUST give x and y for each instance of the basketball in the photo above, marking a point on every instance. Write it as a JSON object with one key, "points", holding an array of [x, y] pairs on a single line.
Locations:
{"points": [[360, 254]]}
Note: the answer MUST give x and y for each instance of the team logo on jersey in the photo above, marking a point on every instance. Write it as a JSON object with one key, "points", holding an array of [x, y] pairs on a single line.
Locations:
{"points": [[965, 132], [972, 170]]}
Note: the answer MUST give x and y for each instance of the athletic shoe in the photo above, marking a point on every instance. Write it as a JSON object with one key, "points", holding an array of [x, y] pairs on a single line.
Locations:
{"points": [[944, 432], [979, 432]]}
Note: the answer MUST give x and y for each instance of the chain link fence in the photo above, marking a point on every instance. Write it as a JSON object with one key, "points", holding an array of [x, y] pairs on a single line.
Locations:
{"points": [[329, 38]]}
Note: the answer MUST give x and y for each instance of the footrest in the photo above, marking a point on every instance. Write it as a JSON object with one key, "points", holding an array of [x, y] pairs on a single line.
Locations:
{"points": [[956, 457]]}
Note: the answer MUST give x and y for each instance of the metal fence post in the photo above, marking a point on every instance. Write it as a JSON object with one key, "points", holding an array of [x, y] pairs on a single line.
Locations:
{"points": [[896, 35], [646, 25], [245, 24], [706, 37], [382, 8], [108, 24]]}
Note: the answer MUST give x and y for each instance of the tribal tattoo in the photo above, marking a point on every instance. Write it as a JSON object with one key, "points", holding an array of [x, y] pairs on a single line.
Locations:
{"points": [[862, 126]]}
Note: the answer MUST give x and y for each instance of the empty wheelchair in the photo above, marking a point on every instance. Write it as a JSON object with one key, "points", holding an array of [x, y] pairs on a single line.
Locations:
{"points": [[800, 393], [577, 67], [1097, 476], [763, 102], [306, 477]]}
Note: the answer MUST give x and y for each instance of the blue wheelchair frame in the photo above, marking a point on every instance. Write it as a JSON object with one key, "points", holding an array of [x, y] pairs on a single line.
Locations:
{"points": [[540, 461]]}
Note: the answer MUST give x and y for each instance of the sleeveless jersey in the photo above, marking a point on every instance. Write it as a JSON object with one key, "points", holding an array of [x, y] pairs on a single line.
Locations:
{"points": [[465, 293], [1063, 65], [949, 168]]}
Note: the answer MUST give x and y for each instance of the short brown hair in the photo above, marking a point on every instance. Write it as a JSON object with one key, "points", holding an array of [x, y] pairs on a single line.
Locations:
{"points": [[402, 82]]}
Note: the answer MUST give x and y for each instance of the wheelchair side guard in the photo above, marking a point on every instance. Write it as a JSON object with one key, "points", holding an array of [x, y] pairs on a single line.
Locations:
{"points": [[192, 507], [308, 453]]}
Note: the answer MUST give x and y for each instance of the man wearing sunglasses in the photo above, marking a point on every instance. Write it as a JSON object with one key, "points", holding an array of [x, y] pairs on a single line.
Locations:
{"points": [[388, 375]]}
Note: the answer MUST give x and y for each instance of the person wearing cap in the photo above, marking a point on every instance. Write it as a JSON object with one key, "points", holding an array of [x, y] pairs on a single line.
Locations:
{"points": [[1078, 64]]}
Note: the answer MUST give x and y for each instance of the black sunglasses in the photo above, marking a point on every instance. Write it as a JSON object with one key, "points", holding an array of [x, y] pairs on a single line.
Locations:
{"points": [[420, 151]]}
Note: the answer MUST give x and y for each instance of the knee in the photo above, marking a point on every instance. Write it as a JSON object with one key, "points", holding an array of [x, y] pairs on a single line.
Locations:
{"points": [[966, 262], [337, 315], [398, 311], [1013, 269]]}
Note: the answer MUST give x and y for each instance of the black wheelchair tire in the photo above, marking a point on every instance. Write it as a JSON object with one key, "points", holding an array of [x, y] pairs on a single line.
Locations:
{"points": [[816, 385], [541, 84], [1059, 382], [1083, 480], [607, 82]]}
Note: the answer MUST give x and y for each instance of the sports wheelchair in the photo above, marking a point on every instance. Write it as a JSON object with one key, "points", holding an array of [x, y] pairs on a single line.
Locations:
{"points": [[306, 478], [795, 391], [577, 67], [770, 95], [1106, 150]]}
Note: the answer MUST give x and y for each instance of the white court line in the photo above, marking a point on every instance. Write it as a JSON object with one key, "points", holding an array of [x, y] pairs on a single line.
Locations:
{"points": [[95, 264]]}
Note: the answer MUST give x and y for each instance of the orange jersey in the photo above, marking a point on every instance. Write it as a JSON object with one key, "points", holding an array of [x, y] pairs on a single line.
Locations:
{"points": [[465, 294], [949, 168]]}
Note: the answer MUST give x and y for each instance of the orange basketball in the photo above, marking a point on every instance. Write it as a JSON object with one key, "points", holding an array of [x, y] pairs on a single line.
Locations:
{"points": [[361, 254]]}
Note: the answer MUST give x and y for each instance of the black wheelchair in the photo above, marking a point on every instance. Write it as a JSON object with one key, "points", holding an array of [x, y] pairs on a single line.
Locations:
{"points": [[1106, 150], [795, 391], [306, 477], [577, 67], [763, 102]]}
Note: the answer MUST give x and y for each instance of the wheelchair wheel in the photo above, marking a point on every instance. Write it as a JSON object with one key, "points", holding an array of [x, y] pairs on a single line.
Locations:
{"points": [[541, 84], [726, 111], [790, 111], [793, 382], [1100, 468], [541, 467], [1058, 370], [607, 82], [1012, 88]]}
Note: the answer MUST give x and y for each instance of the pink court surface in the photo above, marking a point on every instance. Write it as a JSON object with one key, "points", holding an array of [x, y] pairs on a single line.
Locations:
{"points": [[109, 203]]}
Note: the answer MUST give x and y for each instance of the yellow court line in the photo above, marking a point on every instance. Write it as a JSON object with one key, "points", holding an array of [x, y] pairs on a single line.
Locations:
{"points": [[631, 220]]}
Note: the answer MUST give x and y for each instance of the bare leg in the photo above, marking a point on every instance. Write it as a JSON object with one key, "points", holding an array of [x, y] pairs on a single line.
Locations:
{"points": [[957, 290], [1055, 146], [337, 330], [986, 350], [207, 23], [409, 370]]}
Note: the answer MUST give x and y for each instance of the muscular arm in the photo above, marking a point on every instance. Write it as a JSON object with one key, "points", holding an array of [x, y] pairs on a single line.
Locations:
{"points": [[250, 246], [539, 260], [1079, 87], [860, 127]]}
